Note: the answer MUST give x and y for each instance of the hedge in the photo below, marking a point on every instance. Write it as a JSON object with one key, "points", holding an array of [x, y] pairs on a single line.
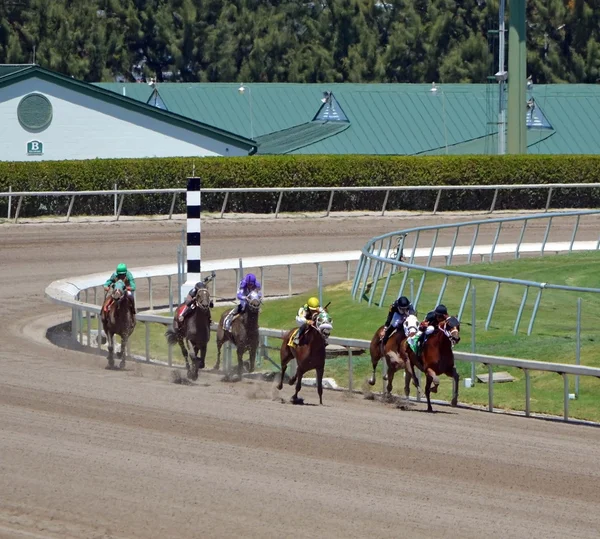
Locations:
{"points": [[290, 171]]}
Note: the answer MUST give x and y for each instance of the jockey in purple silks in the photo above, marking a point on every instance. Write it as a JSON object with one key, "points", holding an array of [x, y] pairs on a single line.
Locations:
{"points": [[247, 285]]}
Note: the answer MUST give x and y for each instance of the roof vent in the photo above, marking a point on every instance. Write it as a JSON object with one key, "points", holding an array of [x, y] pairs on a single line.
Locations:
{"points": [[156, 101], [330, 110], [535, 116]]}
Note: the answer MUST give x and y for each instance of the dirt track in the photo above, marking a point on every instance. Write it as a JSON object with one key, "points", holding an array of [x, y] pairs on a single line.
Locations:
{"points": [[86, 452]]}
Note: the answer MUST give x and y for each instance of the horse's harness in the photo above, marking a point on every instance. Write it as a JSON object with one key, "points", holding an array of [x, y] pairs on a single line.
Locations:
{"points": [[453, 333]]}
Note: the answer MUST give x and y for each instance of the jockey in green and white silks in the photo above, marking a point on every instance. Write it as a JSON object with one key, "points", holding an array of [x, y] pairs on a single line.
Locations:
{"points": [[123, 274]]}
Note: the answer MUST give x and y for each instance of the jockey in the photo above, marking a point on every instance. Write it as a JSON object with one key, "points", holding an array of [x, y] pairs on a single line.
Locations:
{"points": [[123, 274], [305, 316], [247, 285], [401, 307], [432, 320], [189, 299]]}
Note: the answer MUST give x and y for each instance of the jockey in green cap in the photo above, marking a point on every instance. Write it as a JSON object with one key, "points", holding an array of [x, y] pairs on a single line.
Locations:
{"points": [[123, 274]]}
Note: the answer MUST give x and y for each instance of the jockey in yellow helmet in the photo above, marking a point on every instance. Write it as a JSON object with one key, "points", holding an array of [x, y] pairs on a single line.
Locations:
{"points": [[306, 315]]}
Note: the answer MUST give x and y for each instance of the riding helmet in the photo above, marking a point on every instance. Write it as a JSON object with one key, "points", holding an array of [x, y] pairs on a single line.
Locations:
{"points": [[403, 302], [121, 269], [313, 303], [251, 278], [441, 310]]}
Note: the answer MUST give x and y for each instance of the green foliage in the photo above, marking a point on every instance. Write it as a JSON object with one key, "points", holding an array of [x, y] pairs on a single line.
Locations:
{"points": [[306, 171], [287, 40]]}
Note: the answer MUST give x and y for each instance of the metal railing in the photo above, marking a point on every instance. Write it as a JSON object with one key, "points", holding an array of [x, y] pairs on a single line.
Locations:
{"points": [[84, 313], [119, 195], [390, 251]]}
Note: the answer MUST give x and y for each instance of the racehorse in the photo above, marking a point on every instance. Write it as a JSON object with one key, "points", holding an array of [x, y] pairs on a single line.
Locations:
{"points": [[117, 318], [193, 333], [243, 333], [309, 354], [411, 324], [436, 358]]}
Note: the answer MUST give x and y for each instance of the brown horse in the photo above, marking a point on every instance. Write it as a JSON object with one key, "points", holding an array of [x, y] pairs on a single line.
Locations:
{"points": [[410, 325], [118, 318], [243, 333], [309, 354], [436, 358], [193, 333]]}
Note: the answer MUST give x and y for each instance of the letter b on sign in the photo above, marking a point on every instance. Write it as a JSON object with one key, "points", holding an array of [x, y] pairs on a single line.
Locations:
{"points": [[35, 147]]}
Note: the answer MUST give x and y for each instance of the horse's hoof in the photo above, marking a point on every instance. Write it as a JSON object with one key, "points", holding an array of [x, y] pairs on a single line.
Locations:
{"points": [[297, 400], [122, 364], [371, 381], [454, 402], [385, 377], [434, 389], [246, 365]]}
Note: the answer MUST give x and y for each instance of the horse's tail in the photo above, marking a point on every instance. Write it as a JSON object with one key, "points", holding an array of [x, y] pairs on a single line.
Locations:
{"points": [[172, 336]]}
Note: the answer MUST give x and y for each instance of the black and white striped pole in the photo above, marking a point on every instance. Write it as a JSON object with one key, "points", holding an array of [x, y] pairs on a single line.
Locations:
{"points": [[193, 236]]}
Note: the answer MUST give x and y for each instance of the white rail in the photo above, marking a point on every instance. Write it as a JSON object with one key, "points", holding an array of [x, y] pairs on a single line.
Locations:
{"points": [[65, 292], [119, 194]]}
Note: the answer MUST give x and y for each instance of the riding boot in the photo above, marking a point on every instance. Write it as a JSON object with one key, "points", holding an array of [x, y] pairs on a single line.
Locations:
{"points": [[188, 302], [387, 334], [299, 334]]}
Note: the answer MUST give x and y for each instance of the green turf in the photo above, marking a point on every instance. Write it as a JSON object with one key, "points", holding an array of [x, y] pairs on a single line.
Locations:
{"points": [[553, 337]]}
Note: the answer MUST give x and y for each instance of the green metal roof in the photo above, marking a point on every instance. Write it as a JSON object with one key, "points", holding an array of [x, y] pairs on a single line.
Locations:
{"points": [[294, 138], [129, 103], [7, 69], [396, 119]]}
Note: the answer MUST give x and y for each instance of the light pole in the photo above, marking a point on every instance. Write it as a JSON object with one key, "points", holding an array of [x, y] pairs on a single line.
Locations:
{"points": [[242, 90]]}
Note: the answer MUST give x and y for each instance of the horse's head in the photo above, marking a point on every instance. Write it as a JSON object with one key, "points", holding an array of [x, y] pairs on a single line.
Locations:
{"points": [[324, 324], [254, 299], [202, 299], [411, 325], [117, 290], [452, 329]]}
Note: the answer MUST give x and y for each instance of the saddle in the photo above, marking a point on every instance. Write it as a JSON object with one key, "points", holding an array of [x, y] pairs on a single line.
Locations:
{"points": [[293, 334]]}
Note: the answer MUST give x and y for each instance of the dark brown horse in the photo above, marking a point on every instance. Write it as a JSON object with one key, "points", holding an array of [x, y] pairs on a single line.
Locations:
{"points": [[436, 358], [309, 354], [118, 318], [193, 333], [410, 326], [243, 333]]}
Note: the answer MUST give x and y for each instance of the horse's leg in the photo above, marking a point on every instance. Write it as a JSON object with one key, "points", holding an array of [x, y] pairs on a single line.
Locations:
{"points": [[391, 372], [184, 352], [111, 347], [123, 352], [202, 358], [253, 349], [240, 355], [193, 368], [298, 378], [218, 363], [428, 392], [434, 379], [320, 372], [455, 378], [374, 361], [285, 359], [407, 379]]}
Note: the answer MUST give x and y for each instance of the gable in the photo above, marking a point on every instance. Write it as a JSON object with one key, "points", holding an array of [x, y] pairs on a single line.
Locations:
{"points": [[82, 125]]}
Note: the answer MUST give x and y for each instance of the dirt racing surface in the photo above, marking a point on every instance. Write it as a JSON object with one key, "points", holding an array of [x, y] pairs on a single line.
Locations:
{"points": [[91, 453]]}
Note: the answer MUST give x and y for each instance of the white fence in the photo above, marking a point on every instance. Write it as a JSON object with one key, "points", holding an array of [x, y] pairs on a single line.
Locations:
{"points": [[119, 194], [68, 292]]}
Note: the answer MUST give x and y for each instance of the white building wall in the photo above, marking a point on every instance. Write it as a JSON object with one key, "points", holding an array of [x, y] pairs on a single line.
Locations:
{"points": [[85, 127]]}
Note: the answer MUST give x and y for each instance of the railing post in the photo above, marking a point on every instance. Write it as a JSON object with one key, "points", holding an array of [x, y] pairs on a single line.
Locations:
{"points": [[18, 208], [464, 299], [120, 207], [357, 275], [453, 246], [548, 199], [546, 234], [170, 279], [99, 337], [150, 299], [419, 290], [147, 328], [490, 389], [9, 202], [278, 204], [289, 280], [350, 371], [414, 247], [574, 234], [473, 242], [578, 346], [492, 306], [433, 243], [320, 283], [224, 204], [412, 289], [527, 393], [70, 207], [535, 309], [496, 237], [330, 203], [442, 290], [385, 200], [566, 396], [493, 206], [169, 354], [172, 209], [521, 238], [437, 201], [473, 331], [262, 281], [115, 200], [347, 270], [520, 312]]}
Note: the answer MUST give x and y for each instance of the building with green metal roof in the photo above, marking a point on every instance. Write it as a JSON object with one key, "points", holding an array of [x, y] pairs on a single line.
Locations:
{"points": [[381, 119], [48, 116]]}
